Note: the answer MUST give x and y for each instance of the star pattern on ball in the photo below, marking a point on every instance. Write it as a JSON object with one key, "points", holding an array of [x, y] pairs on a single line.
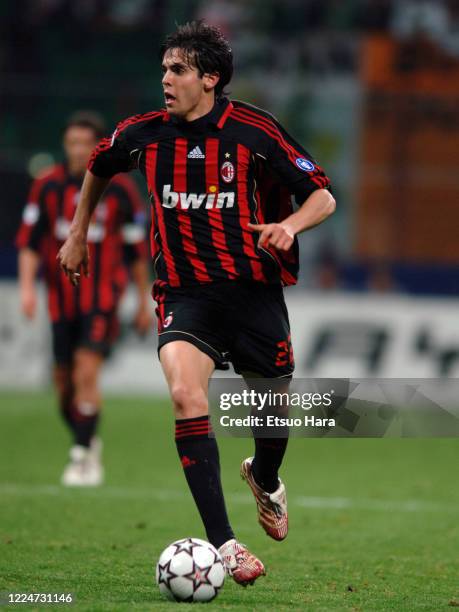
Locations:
{"points": [[199, 575], [217, 557], [186, 545], [165, 574]]}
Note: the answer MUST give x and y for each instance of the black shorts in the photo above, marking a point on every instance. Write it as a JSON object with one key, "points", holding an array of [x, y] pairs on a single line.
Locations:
{"points": [[242, 322], [95, 331]]}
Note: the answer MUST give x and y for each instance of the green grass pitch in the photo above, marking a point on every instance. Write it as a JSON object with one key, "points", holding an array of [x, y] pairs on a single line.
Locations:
{"points": [[373, 523]]}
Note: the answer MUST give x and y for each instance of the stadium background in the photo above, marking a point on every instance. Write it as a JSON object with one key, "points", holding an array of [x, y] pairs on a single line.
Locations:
{"points": [[371, 87]]}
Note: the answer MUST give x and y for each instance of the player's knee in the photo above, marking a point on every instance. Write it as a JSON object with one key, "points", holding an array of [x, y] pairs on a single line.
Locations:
{"points": [[81, 376], [86, 370], [85, 378], [189, 401]]}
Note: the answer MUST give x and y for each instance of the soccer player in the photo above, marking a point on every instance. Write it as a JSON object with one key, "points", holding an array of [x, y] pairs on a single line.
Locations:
{"points": [[83, 318], [220, 174]]}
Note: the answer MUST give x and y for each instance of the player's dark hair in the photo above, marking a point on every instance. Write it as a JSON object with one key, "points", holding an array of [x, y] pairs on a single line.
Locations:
{"points": [[205, 47], [87, 119]]}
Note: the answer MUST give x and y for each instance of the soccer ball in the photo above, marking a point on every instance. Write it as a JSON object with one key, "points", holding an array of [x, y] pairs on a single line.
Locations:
{"points": [[190, 570]]}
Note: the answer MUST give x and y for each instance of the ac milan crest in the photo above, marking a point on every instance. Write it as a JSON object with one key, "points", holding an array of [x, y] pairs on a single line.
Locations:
{"points": [[227, 172], [168, 320]]}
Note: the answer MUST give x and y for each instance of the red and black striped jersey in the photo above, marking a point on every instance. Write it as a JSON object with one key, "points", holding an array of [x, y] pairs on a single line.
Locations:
{"points": [[116, 238], [208, 179]]}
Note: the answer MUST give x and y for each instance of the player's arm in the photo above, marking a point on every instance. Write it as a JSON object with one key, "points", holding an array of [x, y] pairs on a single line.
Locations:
{"points": [[33, 228], [304, 178], [108, 158], [315, 209], [74, 254], [140, 278], [28, 264]]}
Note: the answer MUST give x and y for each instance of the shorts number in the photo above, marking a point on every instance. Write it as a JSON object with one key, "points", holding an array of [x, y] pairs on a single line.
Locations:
{"points": [[285, 353]]}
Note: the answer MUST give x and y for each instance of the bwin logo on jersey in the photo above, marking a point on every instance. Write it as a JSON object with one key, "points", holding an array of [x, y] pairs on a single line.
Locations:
{"points": [[171, 199]]}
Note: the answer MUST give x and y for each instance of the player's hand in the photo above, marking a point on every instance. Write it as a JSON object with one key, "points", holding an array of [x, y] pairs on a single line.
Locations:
{"points": [[28, 297], [73, 257], [277, 235], [143, 319]]}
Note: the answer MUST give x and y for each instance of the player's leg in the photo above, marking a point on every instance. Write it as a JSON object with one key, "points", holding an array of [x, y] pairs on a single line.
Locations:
{"points": [[263, 348], [261, 474], [85, 466], [192, 342], [270, 442], [87, 364], [187, 370], [63, 383], [76, 373], [91, 343], [63, 338]]}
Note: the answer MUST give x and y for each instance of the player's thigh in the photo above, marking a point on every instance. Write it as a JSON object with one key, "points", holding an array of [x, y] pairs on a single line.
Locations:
{"points": [[262, 344], [192, 316], [187, 370]]}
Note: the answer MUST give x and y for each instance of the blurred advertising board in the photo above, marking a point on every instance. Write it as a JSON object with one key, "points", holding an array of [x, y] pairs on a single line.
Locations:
{"points": [[333, 335]]}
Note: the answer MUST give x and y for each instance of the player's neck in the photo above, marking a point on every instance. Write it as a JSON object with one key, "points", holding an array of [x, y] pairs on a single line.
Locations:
{"points": [[75, 171], [204, 107]]}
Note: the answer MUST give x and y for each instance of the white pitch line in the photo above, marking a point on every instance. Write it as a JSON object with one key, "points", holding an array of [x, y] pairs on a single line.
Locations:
{"points": [[379, 505], [309, 502]]}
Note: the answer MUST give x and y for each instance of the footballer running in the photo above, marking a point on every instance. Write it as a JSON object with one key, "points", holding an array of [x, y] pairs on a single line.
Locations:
{"points": [[84, 318], [220, 175]]}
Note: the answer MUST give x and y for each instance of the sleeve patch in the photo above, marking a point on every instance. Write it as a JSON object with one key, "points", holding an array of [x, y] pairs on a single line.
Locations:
{"points": [[31, 213], [132, 233], [304, 164]]}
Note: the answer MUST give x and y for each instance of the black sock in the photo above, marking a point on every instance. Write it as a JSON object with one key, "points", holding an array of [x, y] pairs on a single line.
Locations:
{"points": [[66, 410], [85, 422], [269, 453], [201, 465]]}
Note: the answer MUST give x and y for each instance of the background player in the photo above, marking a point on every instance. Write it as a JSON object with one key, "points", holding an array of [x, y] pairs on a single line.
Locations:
{"points": [[84, 322], [220, 175]]}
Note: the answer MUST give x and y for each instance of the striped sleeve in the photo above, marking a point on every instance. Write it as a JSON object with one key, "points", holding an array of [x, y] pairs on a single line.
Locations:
{"points": [[34, 224], [111, 156], [120, 152], [133, 221], [297, 169]]}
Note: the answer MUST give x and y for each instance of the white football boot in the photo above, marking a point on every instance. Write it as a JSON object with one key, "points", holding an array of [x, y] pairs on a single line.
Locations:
{"points": [[240, 563], [271, 507], [85, 467]]}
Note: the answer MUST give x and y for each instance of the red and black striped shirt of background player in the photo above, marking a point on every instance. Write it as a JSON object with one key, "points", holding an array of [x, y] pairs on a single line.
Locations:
{"points": [[116, 238], [204, 243]]}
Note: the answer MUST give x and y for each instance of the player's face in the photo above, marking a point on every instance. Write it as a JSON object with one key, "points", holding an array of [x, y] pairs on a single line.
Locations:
{"points": [[78, 145], [187, 94]]}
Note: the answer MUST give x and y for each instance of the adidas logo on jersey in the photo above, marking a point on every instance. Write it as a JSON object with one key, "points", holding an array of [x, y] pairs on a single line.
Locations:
{"points": [[224, 199], [196, 153]]}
